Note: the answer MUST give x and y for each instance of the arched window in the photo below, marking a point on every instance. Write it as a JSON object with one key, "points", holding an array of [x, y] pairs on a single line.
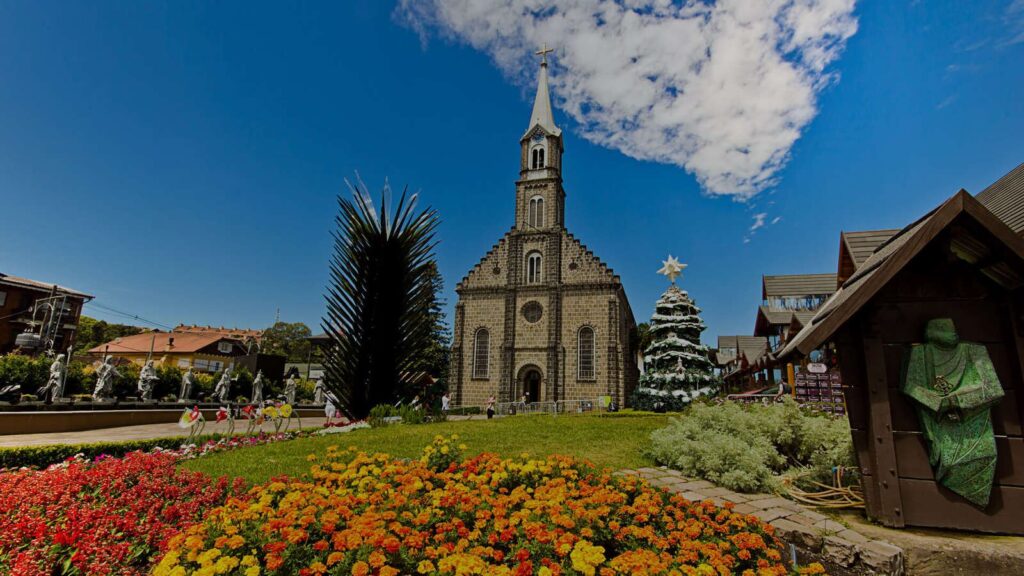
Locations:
{"points": [[481, 353], [536, 216], [585, 365], [533, 268], [537, 158]]}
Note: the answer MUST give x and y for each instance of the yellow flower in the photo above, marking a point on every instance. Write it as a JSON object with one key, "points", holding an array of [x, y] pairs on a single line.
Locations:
{"points": [[585, 557], [425, 567]]}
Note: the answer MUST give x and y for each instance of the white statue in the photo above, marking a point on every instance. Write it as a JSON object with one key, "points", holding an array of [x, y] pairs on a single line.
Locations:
{"points": [[290, 387], [105, 380], [188, 379], [320, 392], [220, 393], [55, 384], [257, 388], [147, 381]]}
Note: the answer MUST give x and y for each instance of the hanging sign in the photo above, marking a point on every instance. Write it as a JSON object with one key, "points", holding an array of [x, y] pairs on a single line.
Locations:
{"points": [[817, 368]]}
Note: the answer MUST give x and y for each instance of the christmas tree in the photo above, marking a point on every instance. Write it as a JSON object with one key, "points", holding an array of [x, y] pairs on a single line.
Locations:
{"points": [[678, 369]]}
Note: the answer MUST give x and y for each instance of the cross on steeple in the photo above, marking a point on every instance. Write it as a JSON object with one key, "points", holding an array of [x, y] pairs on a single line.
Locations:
{"points": [[543, 53]]}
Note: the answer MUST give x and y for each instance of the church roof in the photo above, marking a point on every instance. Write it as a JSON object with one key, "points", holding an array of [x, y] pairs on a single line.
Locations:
{"points": [[542, 115]]}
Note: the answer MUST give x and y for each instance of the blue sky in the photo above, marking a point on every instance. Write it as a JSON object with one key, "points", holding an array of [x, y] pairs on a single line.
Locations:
{"points": [[180, 161]]}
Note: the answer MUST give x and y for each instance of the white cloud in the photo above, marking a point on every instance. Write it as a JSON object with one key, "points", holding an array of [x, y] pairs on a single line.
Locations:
{"points": [[776, 220], [758, 221], [722, 90], [1014, 17]]}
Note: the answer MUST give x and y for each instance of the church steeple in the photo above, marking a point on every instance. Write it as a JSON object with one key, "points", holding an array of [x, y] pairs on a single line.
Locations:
{"points": [[542, 101], [540, 199]]}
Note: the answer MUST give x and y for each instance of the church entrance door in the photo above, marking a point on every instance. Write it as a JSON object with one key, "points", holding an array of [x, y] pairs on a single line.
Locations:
{"points": [[530, 384]]}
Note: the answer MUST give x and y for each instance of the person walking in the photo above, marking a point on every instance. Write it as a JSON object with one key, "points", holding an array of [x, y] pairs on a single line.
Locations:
{"points": [[446, 403], [490, 407], [330, 408]]}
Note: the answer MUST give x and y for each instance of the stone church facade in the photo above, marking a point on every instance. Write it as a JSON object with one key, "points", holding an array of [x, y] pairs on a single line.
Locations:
{"points": [[540, 314]]}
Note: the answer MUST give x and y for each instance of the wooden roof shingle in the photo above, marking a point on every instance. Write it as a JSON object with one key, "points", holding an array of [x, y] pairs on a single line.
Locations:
{"points": [[1005, 199], [798, 285], [861, 245]]}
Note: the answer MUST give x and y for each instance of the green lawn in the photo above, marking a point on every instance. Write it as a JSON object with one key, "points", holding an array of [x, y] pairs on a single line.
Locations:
{"points": [[614, 441]]}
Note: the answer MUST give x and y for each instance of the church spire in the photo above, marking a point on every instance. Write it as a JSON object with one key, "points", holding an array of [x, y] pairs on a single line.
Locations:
{"points": [[542, 102]]}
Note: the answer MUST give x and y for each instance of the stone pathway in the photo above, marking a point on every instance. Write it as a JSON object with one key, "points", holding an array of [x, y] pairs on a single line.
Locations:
{"points": [[803, 527], [122, 433]]}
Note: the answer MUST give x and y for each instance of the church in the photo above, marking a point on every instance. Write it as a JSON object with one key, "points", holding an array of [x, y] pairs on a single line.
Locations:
{"points": [[540, 315]]}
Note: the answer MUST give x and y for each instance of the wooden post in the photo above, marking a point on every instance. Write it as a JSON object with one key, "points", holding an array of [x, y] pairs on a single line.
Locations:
{"points": [[883, 450], [791, 376], [1017, 325]]}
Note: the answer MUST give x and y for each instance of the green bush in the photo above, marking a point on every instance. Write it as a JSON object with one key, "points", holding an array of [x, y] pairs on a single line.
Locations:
{"points": [[408, 414], [40, 456], [748, 447], [27, 372], [31, 373]]}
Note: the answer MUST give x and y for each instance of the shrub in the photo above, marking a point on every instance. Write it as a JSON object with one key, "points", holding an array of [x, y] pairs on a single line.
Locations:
{"points": [[31, 373], [42, 456], [110, 517], [27, 372], [304, 391], [371, 514], [747, 447], [410, 415]]}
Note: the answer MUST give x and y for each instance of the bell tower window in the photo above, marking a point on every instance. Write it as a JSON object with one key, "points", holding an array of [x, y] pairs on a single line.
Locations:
{"points": [[537, 158], [536, 215], [533, 268]]}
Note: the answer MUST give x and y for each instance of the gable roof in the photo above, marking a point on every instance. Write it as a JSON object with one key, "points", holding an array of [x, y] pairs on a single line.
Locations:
{"points": [[766, 318], [860, 245], [1005, 199], [889, 259], [750, 346], [856, 247], [797, 285], [40, 286], [160, 343]]}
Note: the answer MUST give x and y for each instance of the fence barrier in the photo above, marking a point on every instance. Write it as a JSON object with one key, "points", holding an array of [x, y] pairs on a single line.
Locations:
{"points": [[520, 408]]}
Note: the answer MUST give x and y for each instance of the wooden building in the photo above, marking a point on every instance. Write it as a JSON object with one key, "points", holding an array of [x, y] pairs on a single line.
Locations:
{"points": [[959, 261], [22, 309]]}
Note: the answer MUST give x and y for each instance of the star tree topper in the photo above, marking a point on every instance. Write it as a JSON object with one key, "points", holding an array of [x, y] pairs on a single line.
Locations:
{"points": [[671, 268]]}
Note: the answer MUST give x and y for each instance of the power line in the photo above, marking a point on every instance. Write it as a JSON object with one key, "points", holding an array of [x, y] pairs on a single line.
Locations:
{"points": [[122, 313]]}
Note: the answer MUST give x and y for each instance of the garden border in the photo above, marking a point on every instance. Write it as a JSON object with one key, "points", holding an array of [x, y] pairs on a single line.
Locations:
{"points": [[793, 523]]}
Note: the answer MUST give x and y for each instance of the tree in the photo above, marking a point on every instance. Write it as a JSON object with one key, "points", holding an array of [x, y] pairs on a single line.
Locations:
{"points": [[678, 369], [287, 339], [379, 300], [435, 359], [93, 333]]}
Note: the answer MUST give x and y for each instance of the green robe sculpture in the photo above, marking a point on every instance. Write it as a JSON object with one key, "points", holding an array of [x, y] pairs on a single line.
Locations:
{"points": [[953, 385]]}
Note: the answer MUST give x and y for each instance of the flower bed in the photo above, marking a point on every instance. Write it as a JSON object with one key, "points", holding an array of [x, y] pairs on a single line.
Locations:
{"points": [[369, 514], [107, 517], [42, 456]]}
